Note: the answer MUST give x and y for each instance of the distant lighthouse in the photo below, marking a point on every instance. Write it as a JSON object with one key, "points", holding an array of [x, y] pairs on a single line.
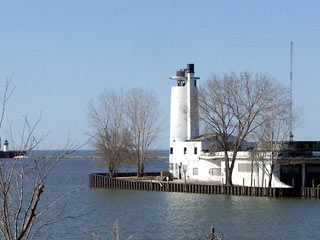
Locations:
{"points": [[5, 146], [184, 115]]}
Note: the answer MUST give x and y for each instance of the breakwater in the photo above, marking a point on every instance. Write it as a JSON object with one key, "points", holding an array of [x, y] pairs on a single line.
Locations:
{"points": [[101, 180]]}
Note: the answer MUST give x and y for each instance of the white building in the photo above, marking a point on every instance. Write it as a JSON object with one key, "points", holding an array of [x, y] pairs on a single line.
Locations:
{"points": [[191, 156]]}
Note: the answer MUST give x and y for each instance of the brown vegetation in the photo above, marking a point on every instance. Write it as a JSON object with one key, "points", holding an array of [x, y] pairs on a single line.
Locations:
{"points": [[235, 106]]}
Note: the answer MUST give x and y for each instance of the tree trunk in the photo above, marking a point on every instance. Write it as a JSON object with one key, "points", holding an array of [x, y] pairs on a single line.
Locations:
{"points": [[111, 174], [138, 162], [111, 168], [230, 177], [226, 160], [228, 170], [251, 172], [142, 170], [138, 168], [270, 177]]}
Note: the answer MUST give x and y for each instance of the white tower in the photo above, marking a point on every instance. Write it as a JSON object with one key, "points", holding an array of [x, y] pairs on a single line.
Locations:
{"points": [[184, 115]]}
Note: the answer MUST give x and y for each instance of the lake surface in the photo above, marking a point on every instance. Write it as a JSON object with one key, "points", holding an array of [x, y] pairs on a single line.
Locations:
{"points": [[166, 215]]}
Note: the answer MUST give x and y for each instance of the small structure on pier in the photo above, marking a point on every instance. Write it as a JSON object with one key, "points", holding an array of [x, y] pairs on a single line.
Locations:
{"points": [[5, 153]]}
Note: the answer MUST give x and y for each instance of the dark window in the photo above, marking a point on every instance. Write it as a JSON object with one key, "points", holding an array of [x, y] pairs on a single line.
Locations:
{"points": [[171, 150], [185, 150], [195, 83], [170, 166], [195, 150]]}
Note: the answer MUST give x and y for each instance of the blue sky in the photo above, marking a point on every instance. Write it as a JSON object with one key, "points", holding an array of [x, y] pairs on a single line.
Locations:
{"points": [[61, 54]]}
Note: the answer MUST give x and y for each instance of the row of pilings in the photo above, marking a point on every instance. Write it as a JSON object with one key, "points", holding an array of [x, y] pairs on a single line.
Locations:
{"points": [[100, 180]]}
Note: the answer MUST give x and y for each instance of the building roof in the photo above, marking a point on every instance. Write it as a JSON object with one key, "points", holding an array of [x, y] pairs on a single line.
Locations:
{"points": [[211, 135], [203, 137]]}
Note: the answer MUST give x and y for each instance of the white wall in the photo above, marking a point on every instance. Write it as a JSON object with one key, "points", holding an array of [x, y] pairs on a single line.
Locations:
{"points": [[260, 176], [178, 116], [180, 158], [198, 166], [207, 171], [192, 107]]}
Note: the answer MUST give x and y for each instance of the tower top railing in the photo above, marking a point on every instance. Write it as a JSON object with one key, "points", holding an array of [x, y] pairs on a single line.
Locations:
{"points": [[181, 74]]}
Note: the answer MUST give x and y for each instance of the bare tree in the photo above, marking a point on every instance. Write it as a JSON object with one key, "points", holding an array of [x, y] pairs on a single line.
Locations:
{"points": [[143, 121], [233, 106], [253, 156], [125, 125], [114, 232], [110, 136], [213, 235], [274, 131], [22, 184]]}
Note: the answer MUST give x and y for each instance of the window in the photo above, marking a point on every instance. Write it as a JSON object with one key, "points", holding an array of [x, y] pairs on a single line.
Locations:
{"points": [[313, 169], [185, 150], [171, 150], [195, 171], [301, 146], [195, 83], [244, 167], [215, 171], [195, 150], [170, 166]]}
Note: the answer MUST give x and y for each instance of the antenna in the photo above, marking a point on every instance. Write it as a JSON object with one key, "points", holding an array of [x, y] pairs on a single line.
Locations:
{"points": [[291, 76]]}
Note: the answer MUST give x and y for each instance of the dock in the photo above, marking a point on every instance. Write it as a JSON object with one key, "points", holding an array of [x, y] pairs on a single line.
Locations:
{"points": [[128, 182]]}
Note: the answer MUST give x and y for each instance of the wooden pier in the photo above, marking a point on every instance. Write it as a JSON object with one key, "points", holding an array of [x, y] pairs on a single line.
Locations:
{"points": [[100, 180]]}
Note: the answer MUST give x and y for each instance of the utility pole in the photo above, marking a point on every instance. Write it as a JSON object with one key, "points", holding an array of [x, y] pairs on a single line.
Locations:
{"points": [[291, 100]]}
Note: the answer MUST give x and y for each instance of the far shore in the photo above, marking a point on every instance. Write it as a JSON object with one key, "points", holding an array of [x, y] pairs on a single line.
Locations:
{"points": [[92, 157]]}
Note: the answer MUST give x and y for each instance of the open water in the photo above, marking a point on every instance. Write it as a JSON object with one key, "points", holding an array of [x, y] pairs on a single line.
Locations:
{"points": [[162, 215]]}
